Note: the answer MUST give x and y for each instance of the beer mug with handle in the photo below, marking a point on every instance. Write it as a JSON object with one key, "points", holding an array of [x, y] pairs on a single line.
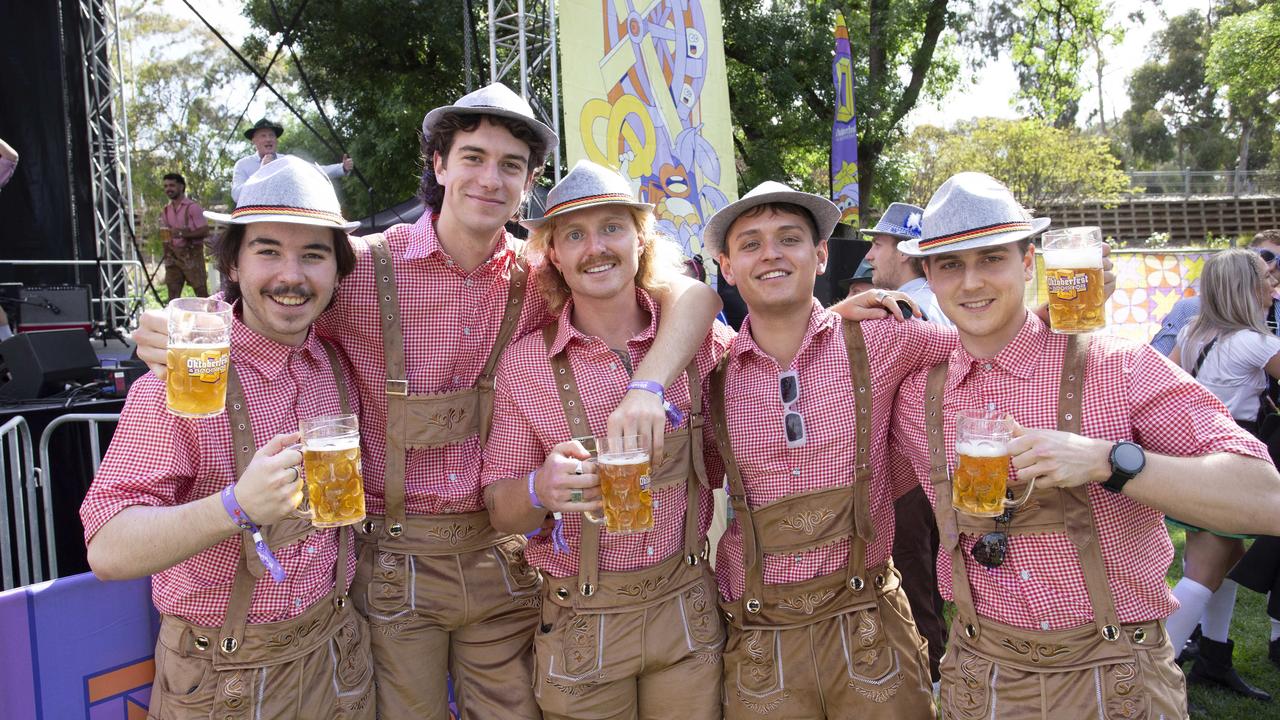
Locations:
{"points": [[623, 466], [199, 356], [979, 483], [1073, 277], [331, 467]]}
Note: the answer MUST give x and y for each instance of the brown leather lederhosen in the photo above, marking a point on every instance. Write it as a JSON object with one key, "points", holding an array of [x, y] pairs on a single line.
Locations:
{"points": [[432, 421], [683, 461], [804, 522], [239, 646], [688, 636], [838, 645], [1105, 643]]}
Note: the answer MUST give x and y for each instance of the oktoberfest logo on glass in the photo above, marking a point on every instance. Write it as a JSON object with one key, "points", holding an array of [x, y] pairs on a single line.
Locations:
{"points": [[199, 356]]}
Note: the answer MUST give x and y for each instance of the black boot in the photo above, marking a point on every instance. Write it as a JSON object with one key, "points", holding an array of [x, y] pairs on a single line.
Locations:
{"points": [[1274, 652], [1214, 667], [1191, 650]]}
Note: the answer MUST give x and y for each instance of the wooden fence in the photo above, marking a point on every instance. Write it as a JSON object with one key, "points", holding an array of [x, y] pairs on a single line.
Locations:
{"points": [[1186, 220]]}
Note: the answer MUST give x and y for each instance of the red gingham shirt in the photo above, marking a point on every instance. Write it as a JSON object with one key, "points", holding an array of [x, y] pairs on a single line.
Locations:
{"points": [[529, 420], [771, 471], [450, 320], [161, 460], [1131, 392]]}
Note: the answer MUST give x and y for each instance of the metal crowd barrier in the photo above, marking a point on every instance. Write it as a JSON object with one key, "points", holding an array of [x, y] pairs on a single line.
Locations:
{"points": [[17, 519], [43, 476]]}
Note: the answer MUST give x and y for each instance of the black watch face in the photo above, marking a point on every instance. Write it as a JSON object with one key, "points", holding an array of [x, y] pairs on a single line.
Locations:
{"points": [[1128, 458]]}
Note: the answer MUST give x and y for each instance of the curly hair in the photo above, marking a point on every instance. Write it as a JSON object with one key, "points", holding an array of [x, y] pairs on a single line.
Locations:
{"points": [[660, 260], [440, 141]]}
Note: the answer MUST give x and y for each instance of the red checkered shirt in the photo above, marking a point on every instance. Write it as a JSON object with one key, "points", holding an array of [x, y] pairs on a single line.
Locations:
{"points": [[1131, 392], [450, 320], [771, 471], [161, 460], [529, 420]]}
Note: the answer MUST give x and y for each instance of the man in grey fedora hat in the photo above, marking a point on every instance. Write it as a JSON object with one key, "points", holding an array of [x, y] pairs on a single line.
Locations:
{"points": [[1060, 601], [818, 624], [265, 135], [892, 270], [253, 629], [598, 262], [424, 318]]}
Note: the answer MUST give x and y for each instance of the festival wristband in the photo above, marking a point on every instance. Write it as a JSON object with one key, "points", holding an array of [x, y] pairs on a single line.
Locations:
{"points": [[241, 519], [673, 413], [533, 494]]}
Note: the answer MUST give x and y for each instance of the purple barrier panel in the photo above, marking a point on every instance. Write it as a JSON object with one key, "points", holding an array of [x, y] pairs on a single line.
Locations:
{"points": [[17, 684], [93, 645]]}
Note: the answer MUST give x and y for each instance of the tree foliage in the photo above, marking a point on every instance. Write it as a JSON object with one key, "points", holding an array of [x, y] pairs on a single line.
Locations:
{"points": [[1251, 87], [178, 115], [1041, 164]]}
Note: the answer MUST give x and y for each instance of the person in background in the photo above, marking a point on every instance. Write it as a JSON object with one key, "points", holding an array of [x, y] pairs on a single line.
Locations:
{"points": [[183, 229], [265, 135], [8, 162], [891, 269], [860, 281], [1229, 350]]}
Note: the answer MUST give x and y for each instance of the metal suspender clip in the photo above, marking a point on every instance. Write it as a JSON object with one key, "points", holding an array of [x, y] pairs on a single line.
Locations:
{"points": [[398, 387]]}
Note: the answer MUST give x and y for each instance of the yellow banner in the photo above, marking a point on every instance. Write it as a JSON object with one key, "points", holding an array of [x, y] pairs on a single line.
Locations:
{"points": [[645, 92]]}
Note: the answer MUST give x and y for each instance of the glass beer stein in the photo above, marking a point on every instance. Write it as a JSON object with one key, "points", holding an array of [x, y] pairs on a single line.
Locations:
{"points": [[331, 466], [199, 356], [623, 466], [1073, 276], [980, 480]]}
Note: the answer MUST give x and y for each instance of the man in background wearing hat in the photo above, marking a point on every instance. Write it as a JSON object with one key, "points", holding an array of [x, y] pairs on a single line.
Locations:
{"points": [[892, 270], [424, 318], [264, 135], [818, 625], [1060, 602], [648, 599], [183, 500]]}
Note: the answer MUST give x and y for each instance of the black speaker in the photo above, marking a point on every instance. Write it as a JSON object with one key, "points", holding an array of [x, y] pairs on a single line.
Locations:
{"points": [[55, 307], [38, 364]]}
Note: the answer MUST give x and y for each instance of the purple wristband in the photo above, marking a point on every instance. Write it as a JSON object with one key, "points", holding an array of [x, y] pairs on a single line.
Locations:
{"points": [[241, 519], [533, 494], [673, 413]]}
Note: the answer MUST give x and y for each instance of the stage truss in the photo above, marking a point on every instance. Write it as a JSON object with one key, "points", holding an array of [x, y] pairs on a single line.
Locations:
{"points": [[107, 127], [522, 54]]}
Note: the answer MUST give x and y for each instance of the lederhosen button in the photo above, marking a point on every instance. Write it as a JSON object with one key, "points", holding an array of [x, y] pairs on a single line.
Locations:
{"points": [[340, 602], [367, 527], [1140, 636], [856, 584], [753, 606], [1110, 632], [562, 593], [202, 642], [970, 631], [691, 559], [879, 581], [394, 529], [588, 589], [229, 645]]}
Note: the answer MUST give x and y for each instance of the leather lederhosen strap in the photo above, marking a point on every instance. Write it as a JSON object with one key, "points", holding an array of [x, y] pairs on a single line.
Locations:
{"points": [[1048, 510], [232, 636], [428, 421], [799, 523], [593, 591]]}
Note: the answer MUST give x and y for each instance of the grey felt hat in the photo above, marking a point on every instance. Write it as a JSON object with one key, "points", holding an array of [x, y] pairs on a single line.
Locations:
{"points": [[972, 210], [587, 185], [264, 124], [825, 213], [287, 190], [899, 220], [495, 99]]}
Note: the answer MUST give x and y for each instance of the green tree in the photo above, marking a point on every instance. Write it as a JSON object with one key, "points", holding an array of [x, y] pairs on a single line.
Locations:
{"points": [[1042, 165], [180, 76], [1249, 85]]}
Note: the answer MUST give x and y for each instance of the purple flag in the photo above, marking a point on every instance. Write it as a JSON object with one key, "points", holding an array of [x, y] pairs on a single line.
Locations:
{"points": [[844, 130]]}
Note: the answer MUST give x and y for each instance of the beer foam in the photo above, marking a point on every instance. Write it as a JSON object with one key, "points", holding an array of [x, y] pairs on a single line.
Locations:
{"points": [[981, 448], [629, 458], [1086, 257], [332, 444]]}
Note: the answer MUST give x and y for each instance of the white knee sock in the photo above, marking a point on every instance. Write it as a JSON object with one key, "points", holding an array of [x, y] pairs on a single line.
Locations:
{"points": [[1216, 623], [1193, 597]]}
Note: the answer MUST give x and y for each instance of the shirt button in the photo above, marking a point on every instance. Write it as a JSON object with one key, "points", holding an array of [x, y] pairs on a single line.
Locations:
{"points": [[1044, 625], [991, 407], [648, 551], [453, 477], [468, 282], [457, 380], [613, 366], [986, 366], [297, 602], [311, 550], [795, 472], [466, 331], [1025, 574]]}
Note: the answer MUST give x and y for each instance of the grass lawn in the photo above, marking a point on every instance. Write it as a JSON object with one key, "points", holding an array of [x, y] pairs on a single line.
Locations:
{"points": [[1250, 629]]}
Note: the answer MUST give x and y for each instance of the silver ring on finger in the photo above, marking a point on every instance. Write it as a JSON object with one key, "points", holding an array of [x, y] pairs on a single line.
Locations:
{"points": [[575, 495], [297, 474], [881, 295], [577, 469]]}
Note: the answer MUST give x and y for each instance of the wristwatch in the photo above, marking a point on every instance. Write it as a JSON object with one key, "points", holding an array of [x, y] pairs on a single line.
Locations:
{"points": [[1127, 460]]}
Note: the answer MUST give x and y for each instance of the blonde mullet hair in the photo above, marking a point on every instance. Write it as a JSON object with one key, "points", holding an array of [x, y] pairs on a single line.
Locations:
{"points": [[660, 260], [1232, 286]]}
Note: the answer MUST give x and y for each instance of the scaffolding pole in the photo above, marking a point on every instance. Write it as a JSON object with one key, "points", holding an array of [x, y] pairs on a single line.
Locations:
{"points": [[522, 55]]}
